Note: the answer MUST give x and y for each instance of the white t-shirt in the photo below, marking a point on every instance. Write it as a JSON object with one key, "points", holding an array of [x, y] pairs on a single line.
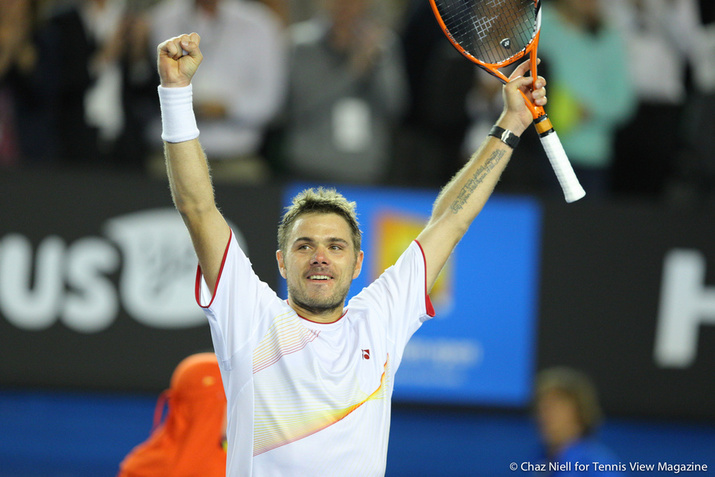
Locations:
{"points": [[305, 398]]}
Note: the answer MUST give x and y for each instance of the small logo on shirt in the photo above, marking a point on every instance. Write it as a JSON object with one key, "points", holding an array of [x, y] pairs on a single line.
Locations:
{"points": [[366, 354]]}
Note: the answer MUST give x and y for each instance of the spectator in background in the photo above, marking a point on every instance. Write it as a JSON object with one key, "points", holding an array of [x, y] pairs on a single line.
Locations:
{"points": [[13, 36], [87, 48], [661, 38], [568, 414], [25, 92], [239, 94], [282, 8], [428, 140], [89, 36], [694, 182], [590, 89], [138, 71], [103, 21], [191, 441], [77, 140], [347, 90]]}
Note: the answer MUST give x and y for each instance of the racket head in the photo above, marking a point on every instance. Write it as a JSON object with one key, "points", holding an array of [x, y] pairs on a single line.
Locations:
{"points": [[491, 33]]}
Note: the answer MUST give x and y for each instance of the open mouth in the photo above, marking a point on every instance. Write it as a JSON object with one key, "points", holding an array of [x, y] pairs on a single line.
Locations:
{"points": [[318, 275]]}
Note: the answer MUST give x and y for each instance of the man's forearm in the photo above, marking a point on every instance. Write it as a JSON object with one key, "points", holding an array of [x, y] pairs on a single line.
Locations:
{"points": [[459, 203], [185, 159], [189, 178], [465, 195]]}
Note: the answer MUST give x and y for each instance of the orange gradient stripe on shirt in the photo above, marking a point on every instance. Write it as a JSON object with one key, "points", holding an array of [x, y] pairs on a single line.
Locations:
{"points": [[282, 338], [303, 423]]}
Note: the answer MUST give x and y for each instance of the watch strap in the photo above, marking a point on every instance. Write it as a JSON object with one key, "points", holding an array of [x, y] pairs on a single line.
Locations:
{"points": [[505, 136]]}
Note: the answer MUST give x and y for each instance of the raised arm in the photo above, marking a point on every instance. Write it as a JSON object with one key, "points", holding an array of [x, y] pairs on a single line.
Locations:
{"points": [[464, 196], [189, 178]]}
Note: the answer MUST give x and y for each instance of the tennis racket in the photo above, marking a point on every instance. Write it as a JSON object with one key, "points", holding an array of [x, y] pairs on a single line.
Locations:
{"points": [[494, 34]]}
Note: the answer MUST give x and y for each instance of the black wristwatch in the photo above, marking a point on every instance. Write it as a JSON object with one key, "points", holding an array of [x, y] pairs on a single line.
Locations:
{"points": [[505, 136]]}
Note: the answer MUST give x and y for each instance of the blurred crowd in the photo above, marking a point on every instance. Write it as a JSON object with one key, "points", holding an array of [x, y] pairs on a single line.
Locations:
{"points": [[360, 91]]}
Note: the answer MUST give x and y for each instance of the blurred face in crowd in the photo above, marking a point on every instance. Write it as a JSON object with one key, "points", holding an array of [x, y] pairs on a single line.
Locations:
{"points": [[345, 13], [15, 18], [210, 7], [558, 419], [585, 12]]}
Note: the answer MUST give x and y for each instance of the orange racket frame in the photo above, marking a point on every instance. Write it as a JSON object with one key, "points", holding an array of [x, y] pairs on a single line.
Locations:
{"points": [[552, 145]]}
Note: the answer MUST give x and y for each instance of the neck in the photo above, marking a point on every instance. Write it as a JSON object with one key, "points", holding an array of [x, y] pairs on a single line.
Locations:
{"points": [[315, 314], [558, 445], [580, 19]]}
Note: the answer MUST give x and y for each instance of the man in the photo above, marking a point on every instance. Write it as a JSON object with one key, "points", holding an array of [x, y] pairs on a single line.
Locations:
{"points": [[568, 414], [308, 381], [237, 95], [341, 131]]}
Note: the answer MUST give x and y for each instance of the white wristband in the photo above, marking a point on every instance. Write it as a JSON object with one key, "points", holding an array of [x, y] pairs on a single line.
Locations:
{"points": [[177, 114]]}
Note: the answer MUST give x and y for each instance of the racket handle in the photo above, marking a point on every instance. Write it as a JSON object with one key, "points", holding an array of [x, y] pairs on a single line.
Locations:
{"points": [[562, 167]]}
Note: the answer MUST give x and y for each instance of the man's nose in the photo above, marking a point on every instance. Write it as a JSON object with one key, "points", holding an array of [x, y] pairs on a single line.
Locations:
{"points": [[319, 256]]}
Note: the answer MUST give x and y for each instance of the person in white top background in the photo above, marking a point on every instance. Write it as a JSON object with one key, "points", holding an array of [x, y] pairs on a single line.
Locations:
{"points": [[309, 380], [240, 93], [667, 40]]}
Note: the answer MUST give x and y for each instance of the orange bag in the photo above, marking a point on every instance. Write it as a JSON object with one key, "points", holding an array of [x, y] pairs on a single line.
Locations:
{"points": [[190, 442]]}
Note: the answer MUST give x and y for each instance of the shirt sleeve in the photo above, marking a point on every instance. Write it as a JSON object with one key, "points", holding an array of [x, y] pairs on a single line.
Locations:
{"points": [[399, 297], [239, 301]]}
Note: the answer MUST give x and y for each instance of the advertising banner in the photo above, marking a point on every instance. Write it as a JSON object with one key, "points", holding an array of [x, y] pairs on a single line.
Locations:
{"points": [[628, 295], [97, 291], [97, 278]]}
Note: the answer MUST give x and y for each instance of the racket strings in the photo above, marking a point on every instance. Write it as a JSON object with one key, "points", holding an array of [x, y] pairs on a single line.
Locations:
{"points": [[492, 31]]}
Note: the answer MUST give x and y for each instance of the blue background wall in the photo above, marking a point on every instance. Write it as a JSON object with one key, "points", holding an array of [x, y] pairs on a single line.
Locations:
{"points": [[68, 434]]}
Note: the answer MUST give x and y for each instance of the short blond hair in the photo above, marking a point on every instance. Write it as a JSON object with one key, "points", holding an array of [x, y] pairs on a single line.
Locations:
{"points": [[322, 201]]}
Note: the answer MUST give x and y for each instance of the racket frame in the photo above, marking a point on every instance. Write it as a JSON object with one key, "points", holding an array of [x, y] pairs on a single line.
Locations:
{"points": [[552, 145], [493, 68]]}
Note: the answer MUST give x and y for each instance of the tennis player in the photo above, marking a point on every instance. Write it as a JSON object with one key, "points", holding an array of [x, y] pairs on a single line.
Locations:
{"points": [[309, 380]]}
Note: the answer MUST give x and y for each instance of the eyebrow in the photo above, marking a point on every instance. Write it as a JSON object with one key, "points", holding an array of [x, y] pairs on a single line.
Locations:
{"points": [[329, 240]]}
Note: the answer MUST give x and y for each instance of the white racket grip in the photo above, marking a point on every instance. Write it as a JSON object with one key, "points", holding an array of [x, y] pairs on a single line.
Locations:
{"points": [[562, 167]]}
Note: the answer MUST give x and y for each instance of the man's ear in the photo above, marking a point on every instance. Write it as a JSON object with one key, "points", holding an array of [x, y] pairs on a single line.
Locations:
{"points": [[281, 263], [358, 264]]}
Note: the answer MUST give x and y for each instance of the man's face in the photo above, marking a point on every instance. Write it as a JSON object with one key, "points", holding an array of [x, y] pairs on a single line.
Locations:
{"points": [[558, 419], [347, 12], [210, 7], [319, 263]]}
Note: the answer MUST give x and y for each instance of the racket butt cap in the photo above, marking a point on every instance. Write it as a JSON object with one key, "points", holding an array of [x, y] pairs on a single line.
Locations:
{"points": [[574, 195]]}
